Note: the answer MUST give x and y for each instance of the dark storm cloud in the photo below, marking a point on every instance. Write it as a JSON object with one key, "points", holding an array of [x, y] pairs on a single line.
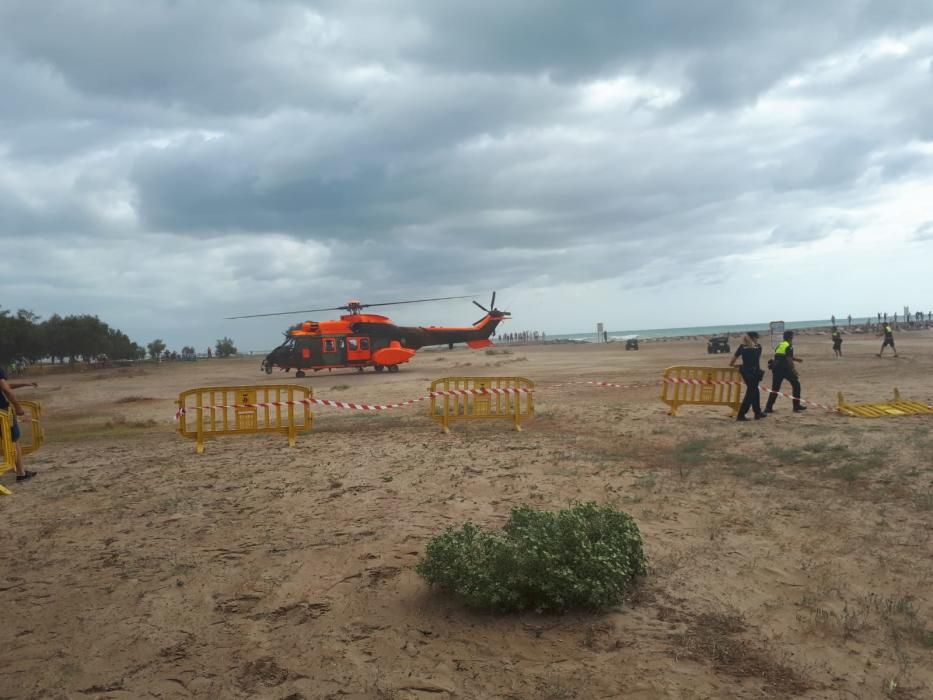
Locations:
{"points": [[732, 50], [207, 57], [298, 147], [378, 167]]}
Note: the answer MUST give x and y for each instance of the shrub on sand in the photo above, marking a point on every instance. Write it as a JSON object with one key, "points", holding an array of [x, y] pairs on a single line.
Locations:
{"points": [[586, 556]]}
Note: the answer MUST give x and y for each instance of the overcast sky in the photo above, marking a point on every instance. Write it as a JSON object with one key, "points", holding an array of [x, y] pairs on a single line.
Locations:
{"points": [[165, 164]]}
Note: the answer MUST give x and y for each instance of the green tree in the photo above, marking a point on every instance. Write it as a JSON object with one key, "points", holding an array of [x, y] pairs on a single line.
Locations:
{"points": [[225, 348], [83, 336], [20, 336], [120, 347], [53, 338], [90, 337], [33, 341], [8, 332], [156, 347]]}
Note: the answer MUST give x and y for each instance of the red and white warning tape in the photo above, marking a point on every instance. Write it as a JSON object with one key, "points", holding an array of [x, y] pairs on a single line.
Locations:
{"points": [[702, 382], [329, 403], [610, 385], [831, 409]]}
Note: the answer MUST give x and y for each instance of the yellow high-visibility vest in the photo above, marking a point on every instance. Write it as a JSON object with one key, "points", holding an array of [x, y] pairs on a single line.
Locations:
{"points": [[781, 349]]}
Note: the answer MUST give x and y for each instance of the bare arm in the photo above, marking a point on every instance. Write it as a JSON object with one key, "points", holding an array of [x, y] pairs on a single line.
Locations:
{"points": [[20, 385], [11, 397]]}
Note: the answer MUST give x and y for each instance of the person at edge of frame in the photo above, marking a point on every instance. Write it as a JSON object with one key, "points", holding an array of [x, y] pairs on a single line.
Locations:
{"points": [[783, 367], [750, 369], [7, 400], [837, 342], [888, 340]]}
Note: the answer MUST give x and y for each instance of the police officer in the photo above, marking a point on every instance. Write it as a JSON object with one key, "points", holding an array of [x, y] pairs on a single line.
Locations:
{"points": [[782, 367], [750, 354], [837, 342], [888, 340]]}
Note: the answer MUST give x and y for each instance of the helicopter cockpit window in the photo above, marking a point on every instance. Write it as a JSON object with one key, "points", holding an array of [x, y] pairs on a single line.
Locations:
{"points": [[351, 344], [364, 343]]}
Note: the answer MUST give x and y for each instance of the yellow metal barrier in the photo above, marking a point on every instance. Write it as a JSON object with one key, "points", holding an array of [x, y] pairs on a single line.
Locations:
{"points": [[494, 401], [7, 452], [702, 386], [897, 407], [31, 436], [209, 412]]}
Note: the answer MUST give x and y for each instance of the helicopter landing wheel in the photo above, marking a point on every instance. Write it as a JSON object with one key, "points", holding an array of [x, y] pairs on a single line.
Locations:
{"points": [[359, 369], [299, 374], [379, 368], [268, 369], [393, 368]]}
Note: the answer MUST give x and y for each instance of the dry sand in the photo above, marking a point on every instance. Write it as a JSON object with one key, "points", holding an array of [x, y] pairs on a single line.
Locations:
{"points": [[789, 557]]}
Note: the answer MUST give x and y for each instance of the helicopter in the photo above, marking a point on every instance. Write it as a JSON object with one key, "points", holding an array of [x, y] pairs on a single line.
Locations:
{"points": [[364, 340]]}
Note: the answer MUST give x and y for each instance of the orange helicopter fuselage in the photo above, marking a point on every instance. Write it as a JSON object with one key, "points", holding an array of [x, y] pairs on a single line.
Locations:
{"points": [[369, 340]]}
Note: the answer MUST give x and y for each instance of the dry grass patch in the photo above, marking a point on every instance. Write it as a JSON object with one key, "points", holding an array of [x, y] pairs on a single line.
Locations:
{"points": [[716, 639]]}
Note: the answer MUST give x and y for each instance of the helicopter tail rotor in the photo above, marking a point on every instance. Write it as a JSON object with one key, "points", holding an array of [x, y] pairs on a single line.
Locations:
{"points": [[492, 310]]}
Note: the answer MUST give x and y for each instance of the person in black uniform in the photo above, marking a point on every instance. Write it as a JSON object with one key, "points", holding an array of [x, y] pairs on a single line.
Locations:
{"points": [[750, 353], [837, 342], [783, 367], [888, 340]]}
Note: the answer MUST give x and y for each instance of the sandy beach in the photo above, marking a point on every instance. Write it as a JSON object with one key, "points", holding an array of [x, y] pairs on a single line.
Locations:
{"points": [[789, 557]]}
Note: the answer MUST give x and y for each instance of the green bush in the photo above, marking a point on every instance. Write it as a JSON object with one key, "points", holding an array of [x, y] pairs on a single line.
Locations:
{"points": [[582, 557]]}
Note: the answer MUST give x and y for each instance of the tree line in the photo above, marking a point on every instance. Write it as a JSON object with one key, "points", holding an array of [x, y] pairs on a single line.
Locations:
{"points": [[23, 336], [85, 337]]}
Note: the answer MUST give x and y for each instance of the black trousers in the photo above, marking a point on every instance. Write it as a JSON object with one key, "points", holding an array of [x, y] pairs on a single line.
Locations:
{"points": [[778, 377], [752, 399]]}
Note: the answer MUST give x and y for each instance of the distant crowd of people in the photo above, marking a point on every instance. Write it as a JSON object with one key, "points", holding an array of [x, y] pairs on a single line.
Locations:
{"points": [[913, 319], [522, 337]]}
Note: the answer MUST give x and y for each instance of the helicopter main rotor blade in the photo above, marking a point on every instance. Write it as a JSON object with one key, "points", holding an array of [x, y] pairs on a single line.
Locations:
{"points": [[286, 313], [415, 301], [346, 307]]}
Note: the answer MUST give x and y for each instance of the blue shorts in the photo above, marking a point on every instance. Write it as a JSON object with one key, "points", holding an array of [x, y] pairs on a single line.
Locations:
{"points": [[14, 431]]}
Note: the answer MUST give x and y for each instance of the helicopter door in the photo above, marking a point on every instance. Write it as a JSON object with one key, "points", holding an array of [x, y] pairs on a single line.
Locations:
{"points": [[331, 354], [358, 349]]}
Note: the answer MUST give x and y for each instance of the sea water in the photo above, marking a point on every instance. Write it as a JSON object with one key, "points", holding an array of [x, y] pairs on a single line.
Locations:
{"points": [[734, 329]]}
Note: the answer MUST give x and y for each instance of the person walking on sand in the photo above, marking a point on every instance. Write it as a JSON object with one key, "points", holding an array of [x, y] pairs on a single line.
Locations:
{"points": [[837, 342], [7, 399], [888, 340], [783, 366], [750, 353]]}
